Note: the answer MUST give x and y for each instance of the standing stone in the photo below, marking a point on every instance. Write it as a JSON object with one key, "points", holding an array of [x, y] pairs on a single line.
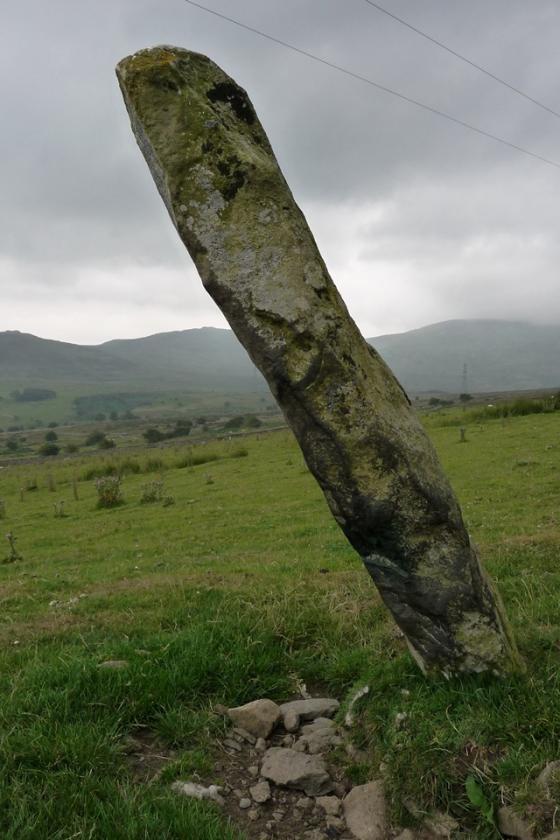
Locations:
{"points": [[217, 174]]}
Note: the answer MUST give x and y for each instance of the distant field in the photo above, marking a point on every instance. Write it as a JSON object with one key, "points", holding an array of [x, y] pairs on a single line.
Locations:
{"points": [[160, 403], [240, 588]]}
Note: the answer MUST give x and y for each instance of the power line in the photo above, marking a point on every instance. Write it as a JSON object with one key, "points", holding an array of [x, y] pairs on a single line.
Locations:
{"points": [[462, 58], [374, 84]]}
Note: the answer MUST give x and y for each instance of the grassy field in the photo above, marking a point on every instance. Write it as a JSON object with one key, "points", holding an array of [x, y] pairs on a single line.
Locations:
{"points": [[160, 404], [241, 588]]}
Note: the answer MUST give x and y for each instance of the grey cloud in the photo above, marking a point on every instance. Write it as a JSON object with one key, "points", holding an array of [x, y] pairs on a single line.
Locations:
{"points": [[423, 205]]}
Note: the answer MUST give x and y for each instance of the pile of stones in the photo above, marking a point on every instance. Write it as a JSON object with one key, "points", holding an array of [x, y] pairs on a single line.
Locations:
{"points": [[281, 785]]}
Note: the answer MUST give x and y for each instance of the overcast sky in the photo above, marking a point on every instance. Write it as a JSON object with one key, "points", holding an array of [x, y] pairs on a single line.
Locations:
{"points": [[419, 220]]}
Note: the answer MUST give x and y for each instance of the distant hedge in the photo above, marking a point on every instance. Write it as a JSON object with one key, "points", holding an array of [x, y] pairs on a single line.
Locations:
{"points": [[33, 395]]}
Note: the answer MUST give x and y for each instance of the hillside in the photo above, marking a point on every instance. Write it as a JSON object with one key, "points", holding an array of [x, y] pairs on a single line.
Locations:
{"points": [[200, 359], [499, 356], [27, 359]]}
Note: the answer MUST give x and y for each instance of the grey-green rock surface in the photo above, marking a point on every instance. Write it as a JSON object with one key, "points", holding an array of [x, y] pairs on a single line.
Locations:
{"points": [[217, 174]]}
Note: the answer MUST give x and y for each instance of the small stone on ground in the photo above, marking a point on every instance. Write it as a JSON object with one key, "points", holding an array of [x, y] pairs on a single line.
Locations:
{"points": [[310, 709], [258, 717], [512, 824], [260, 792], [330, 805], [296, 770], [194, 791], [365, 811]]}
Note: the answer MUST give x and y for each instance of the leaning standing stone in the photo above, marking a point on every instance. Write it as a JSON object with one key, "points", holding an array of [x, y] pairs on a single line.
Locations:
{"points": [[217, 174]]}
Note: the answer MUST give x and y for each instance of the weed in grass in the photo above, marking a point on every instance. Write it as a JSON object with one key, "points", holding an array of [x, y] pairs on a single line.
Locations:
{"points": [[239, 452], [109, 491], [100, 471], [13, 552], [59, 512], [154, 465], [129, 466], [152, 492], [479, 800]]}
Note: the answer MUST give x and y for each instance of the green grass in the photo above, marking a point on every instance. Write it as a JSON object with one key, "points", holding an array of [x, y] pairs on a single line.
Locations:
{"points": [[240, 589]]}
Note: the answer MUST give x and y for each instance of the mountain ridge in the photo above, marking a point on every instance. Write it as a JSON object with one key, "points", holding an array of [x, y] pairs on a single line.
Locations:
{"points": [[479, 355]]}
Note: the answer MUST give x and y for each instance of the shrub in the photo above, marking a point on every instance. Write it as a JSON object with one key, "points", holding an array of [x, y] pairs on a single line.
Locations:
{"points": [[239, 452], [51, 436], [71, 448], [109, 491], [128, 466], [100, 471], [182, 428], [153, 465], [107, 443], [152, 492], [33, 395], [153, 435], [94, 438], [49, 449], [235, 422]]}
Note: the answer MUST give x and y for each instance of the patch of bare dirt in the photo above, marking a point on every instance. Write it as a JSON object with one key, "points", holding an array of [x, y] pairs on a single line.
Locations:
{"points": [[146, 755]]}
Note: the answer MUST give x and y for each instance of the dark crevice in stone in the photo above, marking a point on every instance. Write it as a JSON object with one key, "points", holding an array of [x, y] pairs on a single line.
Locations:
{"points": [[234, 96]]}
